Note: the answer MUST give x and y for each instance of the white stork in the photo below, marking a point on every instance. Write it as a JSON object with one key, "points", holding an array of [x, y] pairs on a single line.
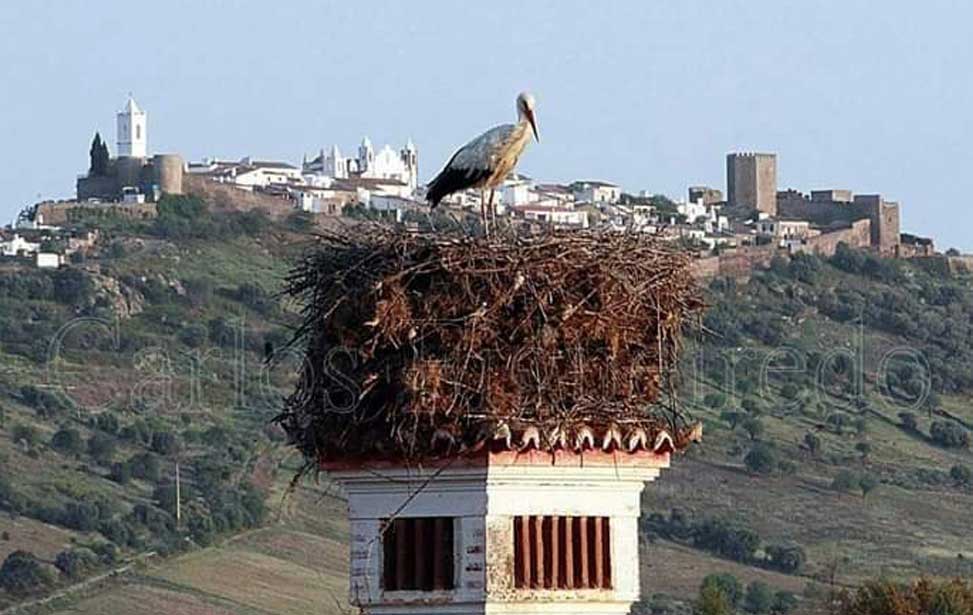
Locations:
{"points": [[486, 161]]}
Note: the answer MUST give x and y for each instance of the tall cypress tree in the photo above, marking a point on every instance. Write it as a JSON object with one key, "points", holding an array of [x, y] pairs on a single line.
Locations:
{"points": [[103, 157], [99, 157], [94, 168]]}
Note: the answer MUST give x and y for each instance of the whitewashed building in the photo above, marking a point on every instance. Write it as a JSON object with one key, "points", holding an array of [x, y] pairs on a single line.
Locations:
{"points": [[782, 229], [387, 164], [18, 246], [552, 214], [597, 192], [248, 173], [48, 260]]}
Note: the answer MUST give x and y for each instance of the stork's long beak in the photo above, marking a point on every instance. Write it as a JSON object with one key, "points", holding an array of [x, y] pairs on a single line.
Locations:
{"points": [[533, 124]]}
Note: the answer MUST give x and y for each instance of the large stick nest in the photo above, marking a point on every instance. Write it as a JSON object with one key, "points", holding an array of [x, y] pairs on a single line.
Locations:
{"points": [[426, 344]]}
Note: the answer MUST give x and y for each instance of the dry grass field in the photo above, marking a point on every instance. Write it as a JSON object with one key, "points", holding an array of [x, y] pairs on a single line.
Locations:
{"points": [[297, 565]]}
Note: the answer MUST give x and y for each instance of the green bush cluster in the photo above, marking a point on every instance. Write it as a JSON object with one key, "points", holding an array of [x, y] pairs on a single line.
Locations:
{"points": [[725, 538], [22, 573], [189, 217], [724, 594]]}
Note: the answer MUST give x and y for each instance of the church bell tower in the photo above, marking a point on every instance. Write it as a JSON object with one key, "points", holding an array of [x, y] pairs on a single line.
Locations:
{"points": [[131, 138]]}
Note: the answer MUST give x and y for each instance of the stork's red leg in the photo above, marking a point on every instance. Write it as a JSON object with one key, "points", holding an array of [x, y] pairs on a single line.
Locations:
{"points": [[490, 210]]}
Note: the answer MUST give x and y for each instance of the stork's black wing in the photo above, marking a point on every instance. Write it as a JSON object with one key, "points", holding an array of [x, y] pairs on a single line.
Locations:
{"points": [[453, 179], [471, 165]]}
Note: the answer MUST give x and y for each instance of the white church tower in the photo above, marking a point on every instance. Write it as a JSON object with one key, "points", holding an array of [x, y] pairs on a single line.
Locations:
{"points": [[410, 157], [366, 157], [131, 138]]}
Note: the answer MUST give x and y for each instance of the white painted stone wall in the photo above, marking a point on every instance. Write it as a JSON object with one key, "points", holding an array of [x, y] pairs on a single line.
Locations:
{"points": [[484, 501]]}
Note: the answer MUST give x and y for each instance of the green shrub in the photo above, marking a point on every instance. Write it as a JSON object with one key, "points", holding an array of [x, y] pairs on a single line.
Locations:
{"points": [[761, 460], [72, 286], [24, 434], [812, 443], [194, 335], [107, 422], [76, 563], [949, 435], [961, 474], [908, 421], [727, 584], [867, 483], [107, 552], [787, 467], [711, 601], [758, 598], [121, 472], [101, 447], [789, 559], [10, 499], [715, 400], [731, 418], [116, 531], [754, 427], [726, 539], [68, 441], [165, 443], [845, 480], [784, 602], [146, 466], [22, 573], [138, 431], [47, 403]]}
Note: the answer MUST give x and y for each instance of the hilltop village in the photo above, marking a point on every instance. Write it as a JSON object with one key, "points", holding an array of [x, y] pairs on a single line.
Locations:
{"points": [[730, 231]]}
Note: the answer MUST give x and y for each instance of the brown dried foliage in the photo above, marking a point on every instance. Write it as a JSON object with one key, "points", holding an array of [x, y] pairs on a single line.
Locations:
{"points": [[923, 597], [410, 335]]}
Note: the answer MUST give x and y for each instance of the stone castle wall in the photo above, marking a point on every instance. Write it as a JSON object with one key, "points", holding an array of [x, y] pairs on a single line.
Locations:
{"points": [[858, 235], [883, 215], [740, 263], [60, 213], [164, 171]]}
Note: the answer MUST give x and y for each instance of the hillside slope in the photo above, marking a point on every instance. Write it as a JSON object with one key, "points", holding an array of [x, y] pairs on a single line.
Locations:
{"points": [[835, 396]]}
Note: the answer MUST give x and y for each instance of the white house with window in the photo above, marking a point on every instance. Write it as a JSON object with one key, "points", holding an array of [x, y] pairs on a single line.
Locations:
{"points": [[556, 215], [597, 192]]}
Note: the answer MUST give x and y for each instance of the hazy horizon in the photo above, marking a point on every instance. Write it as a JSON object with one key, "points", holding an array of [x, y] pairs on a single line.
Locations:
{"points": [[651, 96]]}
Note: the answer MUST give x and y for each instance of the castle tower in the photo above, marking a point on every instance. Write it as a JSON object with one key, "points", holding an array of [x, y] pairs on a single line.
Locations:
{"points": [[751, 181], [131, 135], [410, 157]]}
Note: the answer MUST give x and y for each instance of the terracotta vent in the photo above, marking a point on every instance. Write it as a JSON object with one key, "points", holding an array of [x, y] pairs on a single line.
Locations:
{"points": [[562, 552]]}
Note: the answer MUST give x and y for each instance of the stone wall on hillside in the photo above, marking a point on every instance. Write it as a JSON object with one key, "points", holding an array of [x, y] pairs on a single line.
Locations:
{"points": [[228, 197], [61, 212], [857, 235], [737, 264], [740, 263]]}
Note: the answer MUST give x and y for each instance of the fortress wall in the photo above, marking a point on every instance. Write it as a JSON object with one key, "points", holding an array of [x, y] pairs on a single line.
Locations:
{"points": [[60, 213], [858, 235]]}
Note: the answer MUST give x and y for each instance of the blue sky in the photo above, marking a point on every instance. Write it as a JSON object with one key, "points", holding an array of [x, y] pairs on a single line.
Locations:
{"points": [[874, 97]]}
